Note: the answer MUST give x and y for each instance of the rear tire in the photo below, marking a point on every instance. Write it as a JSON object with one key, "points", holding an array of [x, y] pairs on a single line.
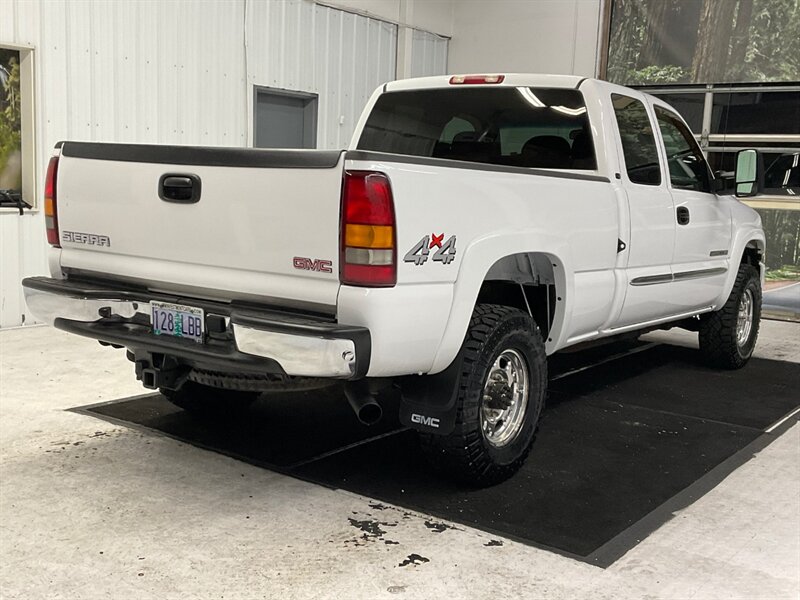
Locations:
{"points": [[728, 336], [208, 401], [495, 422]]}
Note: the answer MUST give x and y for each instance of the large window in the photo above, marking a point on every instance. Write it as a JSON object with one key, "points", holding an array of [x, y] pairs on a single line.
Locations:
{"points": [[521, 127], [17, 161], [771, 112], [691, 106], [638, 141], [10, 128], [702, 41], [728, 118]]}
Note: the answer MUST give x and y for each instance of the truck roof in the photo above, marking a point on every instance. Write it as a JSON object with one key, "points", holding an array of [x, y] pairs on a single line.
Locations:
{"points": [[509, 80]]}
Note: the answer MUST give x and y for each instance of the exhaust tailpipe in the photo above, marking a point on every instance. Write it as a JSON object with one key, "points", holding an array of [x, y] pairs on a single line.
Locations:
{"points": [[363, 404]]}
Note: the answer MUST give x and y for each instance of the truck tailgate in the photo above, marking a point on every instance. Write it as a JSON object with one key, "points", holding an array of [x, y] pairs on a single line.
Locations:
{"points": [[265, 226]]}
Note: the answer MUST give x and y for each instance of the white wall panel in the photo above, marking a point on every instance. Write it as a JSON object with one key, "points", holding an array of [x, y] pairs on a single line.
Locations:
{"points": [[341, 56], [178, 73], [525, 36], [10, 309], [146, 72], [429, 15], [428, 54]]}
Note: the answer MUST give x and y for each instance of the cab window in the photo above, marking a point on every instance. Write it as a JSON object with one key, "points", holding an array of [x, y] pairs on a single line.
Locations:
{"points": [[688, 169], [638, 141], [511, 126]]}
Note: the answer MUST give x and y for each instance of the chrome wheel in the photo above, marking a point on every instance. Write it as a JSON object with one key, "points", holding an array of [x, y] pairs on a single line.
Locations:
{"points": [[505, 398], [744, 319]]}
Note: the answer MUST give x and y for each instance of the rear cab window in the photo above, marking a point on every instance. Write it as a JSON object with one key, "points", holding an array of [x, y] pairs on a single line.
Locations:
{"points": [[511, 126]]}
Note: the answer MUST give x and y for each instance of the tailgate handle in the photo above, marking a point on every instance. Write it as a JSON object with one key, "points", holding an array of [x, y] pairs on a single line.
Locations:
{"points": [[179, 187]]}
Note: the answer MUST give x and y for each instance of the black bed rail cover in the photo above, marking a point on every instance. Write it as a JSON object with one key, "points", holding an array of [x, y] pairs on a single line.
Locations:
{"points": [[203, 156]]}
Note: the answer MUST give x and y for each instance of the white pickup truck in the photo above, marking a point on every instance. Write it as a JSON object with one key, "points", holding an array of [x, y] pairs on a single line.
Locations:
{"points": [[475, 226]]}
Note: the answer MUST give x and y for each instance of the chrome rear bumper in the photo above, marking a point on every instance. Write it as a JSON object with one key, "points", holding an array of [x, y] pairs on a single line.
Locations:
{"points": [[299, 345]]}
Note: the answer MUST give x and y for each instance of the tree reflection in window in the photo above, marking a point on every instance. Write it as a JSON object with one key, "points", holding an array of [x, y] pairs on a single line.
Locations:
{"points": [[10, 127]]}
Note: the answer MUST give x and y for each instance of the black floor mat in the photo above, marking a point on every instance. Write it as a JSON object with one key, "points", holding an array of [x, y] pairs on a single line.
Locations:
{"points": [[279, 430], [672, 379], [596, 468], [615, 442]]}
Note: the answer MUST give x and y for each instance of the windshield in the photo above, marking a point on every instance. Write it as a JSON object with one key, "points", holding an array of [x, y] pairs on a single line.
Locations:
{"points": [[521, 127]]}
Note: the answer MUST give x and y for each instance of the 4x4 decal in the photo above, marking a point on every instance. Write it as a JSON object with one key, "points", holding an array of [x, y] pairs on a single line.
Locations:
{"points": [[445, 253]]}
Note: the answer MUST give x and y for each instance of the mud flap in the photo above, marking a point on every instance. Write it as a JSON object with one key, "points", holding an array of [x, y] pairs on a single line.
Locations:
{"points": [[428, 402]]}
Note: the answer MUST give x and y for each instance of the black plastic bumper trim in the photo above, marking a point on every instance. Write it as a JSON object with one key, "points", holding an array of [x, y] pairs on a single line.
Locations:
{"points": [[219, 354], [215, 355]]}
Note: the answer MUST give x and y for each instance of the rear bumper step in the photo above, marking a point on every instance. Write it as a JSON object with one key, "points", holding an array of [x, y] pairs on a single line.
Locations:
{"points": [[251, 339]]}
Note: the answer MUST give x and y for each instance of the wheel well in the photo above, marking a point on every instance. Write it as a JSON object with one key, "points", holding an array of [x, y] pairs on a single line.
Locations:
{"points": [[752, 255], [540, 298], [524, 281]]}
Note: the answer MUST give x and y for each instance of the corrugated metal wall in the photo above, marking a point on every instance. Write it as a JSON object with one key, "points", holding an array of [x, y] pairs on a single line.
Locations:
{"points": [[428, 54], [340, 56], [182, 73], [126, 72]]}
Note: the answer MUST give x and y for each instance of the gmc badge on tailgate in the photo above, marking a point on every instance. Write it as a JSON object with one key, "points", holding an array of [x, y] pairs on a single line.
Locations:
{"points": [[308, 264]]}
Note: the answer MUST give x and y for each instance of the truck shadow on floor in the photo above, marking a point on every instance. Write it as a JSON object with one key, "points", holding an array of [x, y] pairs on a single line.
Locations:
{"points": [[620, 446]]}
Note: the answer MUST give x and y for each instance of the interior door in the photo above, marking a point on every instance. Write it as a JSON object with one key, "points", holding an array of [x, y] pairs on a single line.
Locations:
{"points": [[284, 119], [700, 258], [651, 238]]}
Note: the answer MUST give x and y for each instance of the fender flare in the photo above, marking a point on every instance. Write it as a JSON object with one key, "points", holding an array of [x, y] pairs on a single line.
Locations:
{"points": [[749, 237], [476, 264]]}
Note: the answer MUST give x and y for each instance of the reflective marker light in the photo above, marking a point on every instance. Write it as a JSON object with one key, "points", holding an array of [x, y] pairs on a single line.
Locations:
{"points": [[50, 207], [476, 79], [368, 255]]}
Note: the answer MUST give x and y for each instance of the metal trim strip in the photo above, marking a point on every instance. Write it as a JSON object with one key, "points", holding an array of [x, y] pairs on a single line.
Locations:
{"points": [[370, 155], [682, 276], [652, 279]]}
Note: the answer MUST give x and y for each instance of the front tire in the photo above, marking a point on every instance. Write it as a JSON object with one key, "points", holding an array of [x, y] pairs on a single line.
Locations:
{"points": [[728, 336], [501, 393]]}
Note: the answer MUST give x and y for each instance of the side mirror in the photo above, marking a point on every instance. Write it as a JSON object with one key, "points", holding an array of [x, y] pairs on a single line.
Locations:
{"points": [[749, 173]]}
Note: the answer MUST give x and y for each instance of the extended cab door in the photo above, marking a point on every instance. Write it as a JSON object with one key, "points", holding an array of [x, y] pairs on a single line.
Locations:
{"points": [[651, 237], [703, 223]]}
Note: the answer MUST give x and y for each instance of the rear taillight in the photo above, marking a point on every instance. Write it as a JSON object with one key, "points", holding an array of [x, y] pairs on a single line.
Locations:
{"points": [[368, 247], [476, 79], [50, 210]]}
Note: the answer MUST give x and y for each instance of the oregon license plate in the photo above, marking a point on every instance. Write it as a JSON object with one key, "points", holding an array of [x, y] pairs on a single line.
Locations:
{"points": [[177, 320]]}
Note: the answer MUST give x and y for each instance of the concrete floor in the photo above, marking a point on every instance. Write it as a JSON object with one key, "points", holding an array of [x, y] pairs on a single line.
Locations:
{"points": [[92, 510]]}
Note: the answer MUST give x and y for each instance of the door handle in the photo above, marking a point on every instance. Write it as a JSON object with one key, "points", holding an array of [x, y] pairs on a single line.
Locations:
{"points": [[683, 215], [179, 187]]}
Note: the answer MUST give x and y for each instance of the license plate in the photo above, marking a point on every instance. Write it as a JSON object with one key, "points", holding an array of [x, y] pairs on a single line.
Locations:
{"points": [[177, 320]]}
